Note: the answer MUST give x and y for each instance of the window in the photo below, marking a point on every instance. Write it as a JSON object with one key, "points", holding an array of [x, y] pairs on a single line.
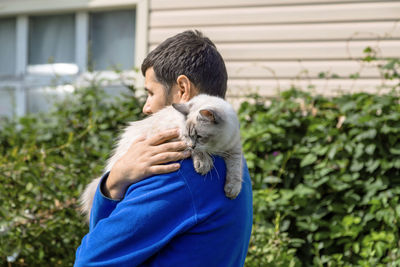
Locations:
{"points": [[49, 44], [112, 39], [8, 45], [51, 39]]}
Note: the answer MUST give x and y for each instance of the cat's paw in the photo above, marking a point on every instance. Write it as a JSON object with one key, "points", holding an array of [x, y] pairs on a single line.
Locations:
{"points": [[232, 189], [202, 167], [202, 163]]}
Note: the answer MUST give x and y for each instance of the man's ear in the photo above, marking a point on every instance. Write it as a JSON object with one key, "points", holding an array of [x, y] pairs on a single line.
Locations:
{"points": [[186, 88]]}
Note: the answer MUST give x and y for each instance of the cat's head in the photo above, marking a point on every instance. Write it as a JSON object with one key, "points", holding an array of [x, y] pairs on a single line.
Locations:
{"points": [[211, 124]]}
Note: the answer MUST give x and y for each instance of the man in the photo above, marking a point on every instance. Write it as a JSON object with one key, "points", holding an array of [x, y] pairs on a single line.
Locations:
{"points": [[150, 213]]}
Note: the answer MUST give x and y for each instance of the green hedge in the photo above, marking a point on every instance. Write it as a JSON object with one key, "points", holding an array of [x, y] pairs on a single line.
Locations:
{"points": [[326, 176], [326, 179], [45, 163]]}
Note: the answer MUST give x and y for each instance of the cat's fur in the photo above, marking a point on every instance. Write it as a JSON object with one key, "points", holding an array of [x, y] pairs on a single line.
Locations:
{"points": [[208, 125]]}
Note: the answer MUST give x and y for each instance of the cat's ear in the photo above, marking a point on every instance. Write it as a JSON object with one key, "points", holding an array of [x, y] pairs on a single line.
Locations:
{"points": [[182, 108], [210, 115]]}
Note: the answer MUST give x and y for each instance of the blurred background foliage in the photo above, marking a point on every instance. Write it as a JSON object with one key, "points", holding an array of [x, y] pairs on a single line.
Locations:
{"points": [[325, 173], [326, 179], [45, 162]]}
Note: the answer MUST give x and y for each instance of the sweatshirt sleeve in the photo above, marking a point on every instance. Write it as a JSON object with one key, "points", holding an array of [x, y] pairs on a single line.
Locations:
{"points": [[128, 232], [102, 206]]}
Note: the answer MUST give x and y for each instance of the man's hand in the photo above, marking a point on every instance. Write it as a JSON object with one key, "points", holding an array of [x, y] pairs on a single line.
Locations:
{"points": [[145, 157]]}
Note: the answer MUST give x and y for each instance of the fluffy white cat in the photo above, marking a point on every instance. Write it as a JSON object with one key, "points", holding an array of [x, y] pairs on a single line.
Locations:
{"points": [[208, 125]]}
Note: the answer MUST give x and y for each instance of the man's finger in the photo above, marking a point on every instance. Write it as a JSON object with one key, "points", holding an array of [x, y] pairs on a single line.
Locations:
{"points": [[160, 169], [170, 147], [140, 139], [163, 137], [169, 157]]}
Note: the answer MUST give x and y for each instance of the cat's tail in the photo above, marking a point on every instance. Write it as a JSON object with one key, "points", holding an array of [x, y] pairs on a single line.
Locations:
{"points": [[86, 199]]}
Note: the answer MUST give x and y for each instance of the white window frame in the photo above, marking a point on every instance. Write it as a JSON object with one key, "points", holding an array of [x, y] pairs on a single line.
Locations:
{"points": [[22, 9]]}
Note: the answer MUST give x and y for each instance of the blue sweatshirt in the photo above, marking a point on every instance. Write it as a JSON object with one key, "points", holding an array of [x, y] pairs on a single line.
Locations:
{"points": [[175, 219]]}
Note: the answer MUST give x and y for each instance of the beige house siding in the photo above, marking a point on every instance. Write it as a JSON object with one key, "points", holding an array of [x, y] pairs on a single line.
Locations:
{"points": [[271, 45]]}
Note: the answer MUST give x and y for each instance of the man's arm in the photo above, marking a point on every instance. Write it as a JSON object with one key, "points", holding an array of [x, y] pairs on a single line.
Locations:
{"points": [[102, 204], [153, 212]]}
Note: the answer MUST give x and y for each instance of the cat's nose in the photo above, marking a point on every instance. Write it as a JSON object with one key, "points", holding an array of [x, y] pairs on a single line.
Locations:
{"points": [[191, 144]]}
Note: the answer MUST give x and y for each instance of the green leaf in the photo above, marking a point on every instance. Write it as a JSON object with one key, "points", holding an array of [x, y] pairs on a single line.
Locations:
{"points": [[332, 151], [370, 149], [395, 151], [356, 166], [372, 165], [272, 180], [29, 186], [369, 134], [368, 49], [308, 160]]}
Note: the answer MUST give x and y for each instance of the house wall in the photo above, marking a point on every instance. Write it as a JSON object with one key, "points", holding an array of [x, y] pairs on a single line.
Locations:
{"points": [[270, 45]]}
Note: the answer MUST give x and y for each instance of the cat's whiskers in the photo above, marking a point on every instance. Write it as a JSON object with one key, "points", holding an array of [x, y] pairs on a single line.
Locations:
{"points": [[213, 167], [225, 154]]}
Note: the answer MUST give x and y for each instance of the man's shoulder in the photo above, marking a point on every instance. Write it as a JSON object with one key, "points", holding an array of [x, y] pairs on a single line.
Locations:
{"points": [[184, 184], [162, 195], [187, 184], [208, 190], [185, 174], [214, 178], [169, 186]]}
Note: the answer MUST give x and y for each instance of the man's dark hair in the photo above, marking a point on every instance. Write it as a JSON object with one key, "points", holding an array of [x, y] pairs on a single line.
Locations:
{"points": [[191, 54]]}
